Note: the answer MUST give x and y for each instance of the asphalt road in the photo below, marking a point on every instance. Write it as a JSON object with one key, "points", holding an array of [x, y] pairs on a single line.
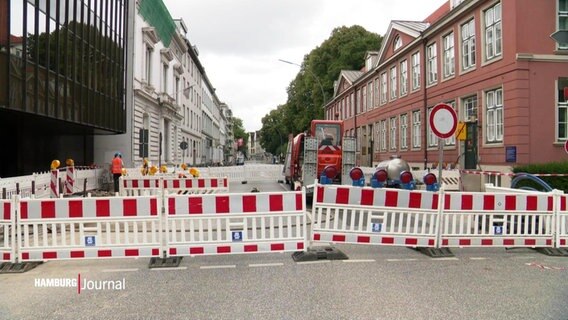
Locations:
{"points": [[375, 283]]}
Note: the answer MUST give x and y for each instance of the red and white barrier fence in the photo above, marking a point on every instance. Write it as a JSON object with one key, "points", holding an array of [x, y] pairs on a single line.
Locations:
{"points": [[69, 180], [235, 223], [154, 185], [375, 216], [498, 220], [88, 228], [7, 231], [424, 219]]}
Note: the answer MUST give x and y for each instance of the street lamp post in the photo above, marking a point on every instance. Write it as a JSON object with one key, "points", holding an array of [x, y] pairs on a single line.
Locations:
{"points": [[312, 74]]}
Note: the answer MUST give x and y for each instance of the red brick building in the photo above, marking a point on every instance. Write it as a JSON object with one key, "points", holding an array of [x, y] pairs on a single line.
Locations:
{"points": [[493, 61]]}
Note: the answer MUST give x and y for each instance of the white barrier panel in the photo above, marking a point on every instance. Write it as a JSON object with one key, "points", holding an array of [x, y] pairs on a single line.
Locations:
{"points": [[234, 173], [562, 225], [375, 216], [139, 186], [235, 223], [473, 219], [196, 185], [87, 228], [7, 231]]}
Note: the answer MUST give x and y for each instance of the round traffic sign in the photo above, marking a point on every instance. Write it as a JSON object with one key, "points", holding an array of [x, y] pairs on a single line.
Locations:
{"points": [[443, 120]]}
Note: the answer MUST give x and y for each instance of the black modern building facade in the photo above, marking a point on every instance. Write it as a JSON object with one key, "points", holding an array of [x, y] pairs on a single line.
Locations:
{"points": [[62, 80]]}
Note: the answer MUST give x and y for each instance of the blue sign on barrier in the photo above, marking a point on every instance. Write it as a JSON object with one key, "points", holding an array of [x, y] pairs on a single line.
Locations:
{"points": [[377, 227], [90, 241], [498, 230], [237, 236]]}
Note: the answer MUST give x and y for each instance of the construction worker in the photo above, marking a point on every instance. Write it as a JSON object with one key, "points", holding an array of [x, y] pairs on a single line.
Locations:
{"points": [[116, 169]]}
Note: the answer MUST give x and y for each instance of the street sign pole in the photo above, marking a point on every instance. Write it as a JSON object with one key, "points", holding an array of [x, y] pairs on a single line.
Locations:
{"points": [[441, 143]]}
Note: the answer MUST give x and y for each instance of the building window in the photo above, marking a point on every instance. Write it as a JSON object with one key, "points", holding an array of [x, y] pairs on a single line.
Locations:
{"points": [[451, 141], [468, 44], [377, 137], [562, 106], [370, 95], [469, 108], [403, 77], [397, 43], [563, 20], [416, 71], [449, 56], [393, 133], [383, 135], [384, 87], [148, 65], [432, 64], [494, 116], [404, 131], [432, 138], [165, 69], [143, 137], [376, 95], [393, 83], [416, 130], [493, 32]]}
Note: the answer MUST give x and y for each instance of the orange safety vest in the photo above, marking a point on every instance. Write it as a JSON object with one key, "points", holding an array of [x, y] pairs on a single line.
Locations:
{"points": [[116, 165]]}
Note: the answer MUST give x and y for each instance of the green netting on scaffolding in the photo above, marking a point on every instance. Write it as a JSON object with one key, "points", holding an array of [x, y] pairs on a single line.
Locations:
{"points": [[158, 16]]}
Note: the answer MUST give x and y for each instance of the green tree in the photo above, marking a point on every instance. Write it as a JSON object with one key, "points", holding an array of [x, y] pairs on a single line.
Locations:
{"points": [[273, 134], [345, 49], [240, 133]]}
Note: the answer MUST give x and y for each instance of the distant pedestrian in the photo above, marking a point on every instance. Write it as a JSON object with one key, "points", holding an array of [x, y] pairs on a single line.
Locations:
{"points": [[116, 169]]}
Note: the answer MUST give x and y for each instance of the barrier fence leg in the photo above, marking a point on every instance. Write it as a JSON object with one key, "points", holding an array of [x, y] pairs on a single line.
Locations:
{"points": [[14, 241], [314, 253], [556, 250], [164, 261], [438, 251]]}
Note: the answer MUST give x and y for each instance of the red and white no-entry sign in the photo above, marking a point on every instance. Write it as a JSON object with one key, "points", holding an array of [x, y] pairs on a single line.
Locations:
{"points": [[443, 120]]}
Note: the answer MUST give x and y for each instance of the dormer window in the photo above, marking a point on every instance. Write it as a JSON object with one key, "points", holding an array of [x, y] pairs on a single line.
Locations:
{"points": [[397, 43]]}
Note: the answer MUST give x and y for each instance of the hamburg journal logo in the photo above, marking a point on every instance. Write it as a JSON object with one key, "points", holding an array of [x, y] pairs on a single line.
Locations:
{"points": [[81, 284]]}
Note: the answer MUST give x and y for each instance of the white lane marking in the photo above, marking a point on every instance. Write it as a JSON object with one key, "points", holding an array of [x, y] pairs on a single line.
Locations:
{"points": [[229, 266], [477, 258], [121, 270], [400, 260], [359, 260], [284, 186], [445, 259], [266, 265], [313, 262], [168, 269]]}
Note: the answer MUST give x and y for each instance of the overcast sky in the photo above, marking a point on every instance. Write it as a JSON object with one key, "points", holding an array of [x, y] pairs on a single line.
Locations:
{"points": [[240, 41]]}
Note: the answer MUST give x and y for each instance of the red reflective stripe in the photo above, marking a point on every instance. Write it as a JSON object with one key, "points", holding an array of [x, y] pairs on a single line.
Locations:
{"points": [[201, 183], [317, 236], [104, 253], [103, 208], [176, 184], [342, 196], [488, 202], [320, 194], [276, 202], [508, 242], [300, 246], [338, 238], [213, 183], [188, 183], [249, 203], [173, 251], [467, 202], [486, 242], [222, 204], [153, 207], [411, 241], [49, 255], [367, 197], [415, 200], [131, 252], [465, 242], [299, 202], [363, 239], [251, 248], [387, 240], [172, 206], [129, 207], [530, 242], [6, 208], [391, 198], [47, 209], [75, 209], [224, 249], [510, 203], [77, 254], [195, 205], [277, 247], [146, 183], [532, 203], [197, 250]]}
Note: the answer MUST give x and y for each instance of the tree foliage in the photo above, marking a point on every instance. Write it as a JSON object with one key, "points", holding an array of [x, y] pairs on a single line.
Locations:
{"points": [[312, 87], [240, 133]]}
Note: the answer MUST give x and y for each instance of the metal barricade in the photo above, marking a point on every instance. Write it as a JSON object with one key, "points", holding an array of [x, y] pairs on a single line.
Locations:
{"points": [[375, 216], [473, 219], [139, 186], [88, 228], [7, 231], [235, 223]]}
